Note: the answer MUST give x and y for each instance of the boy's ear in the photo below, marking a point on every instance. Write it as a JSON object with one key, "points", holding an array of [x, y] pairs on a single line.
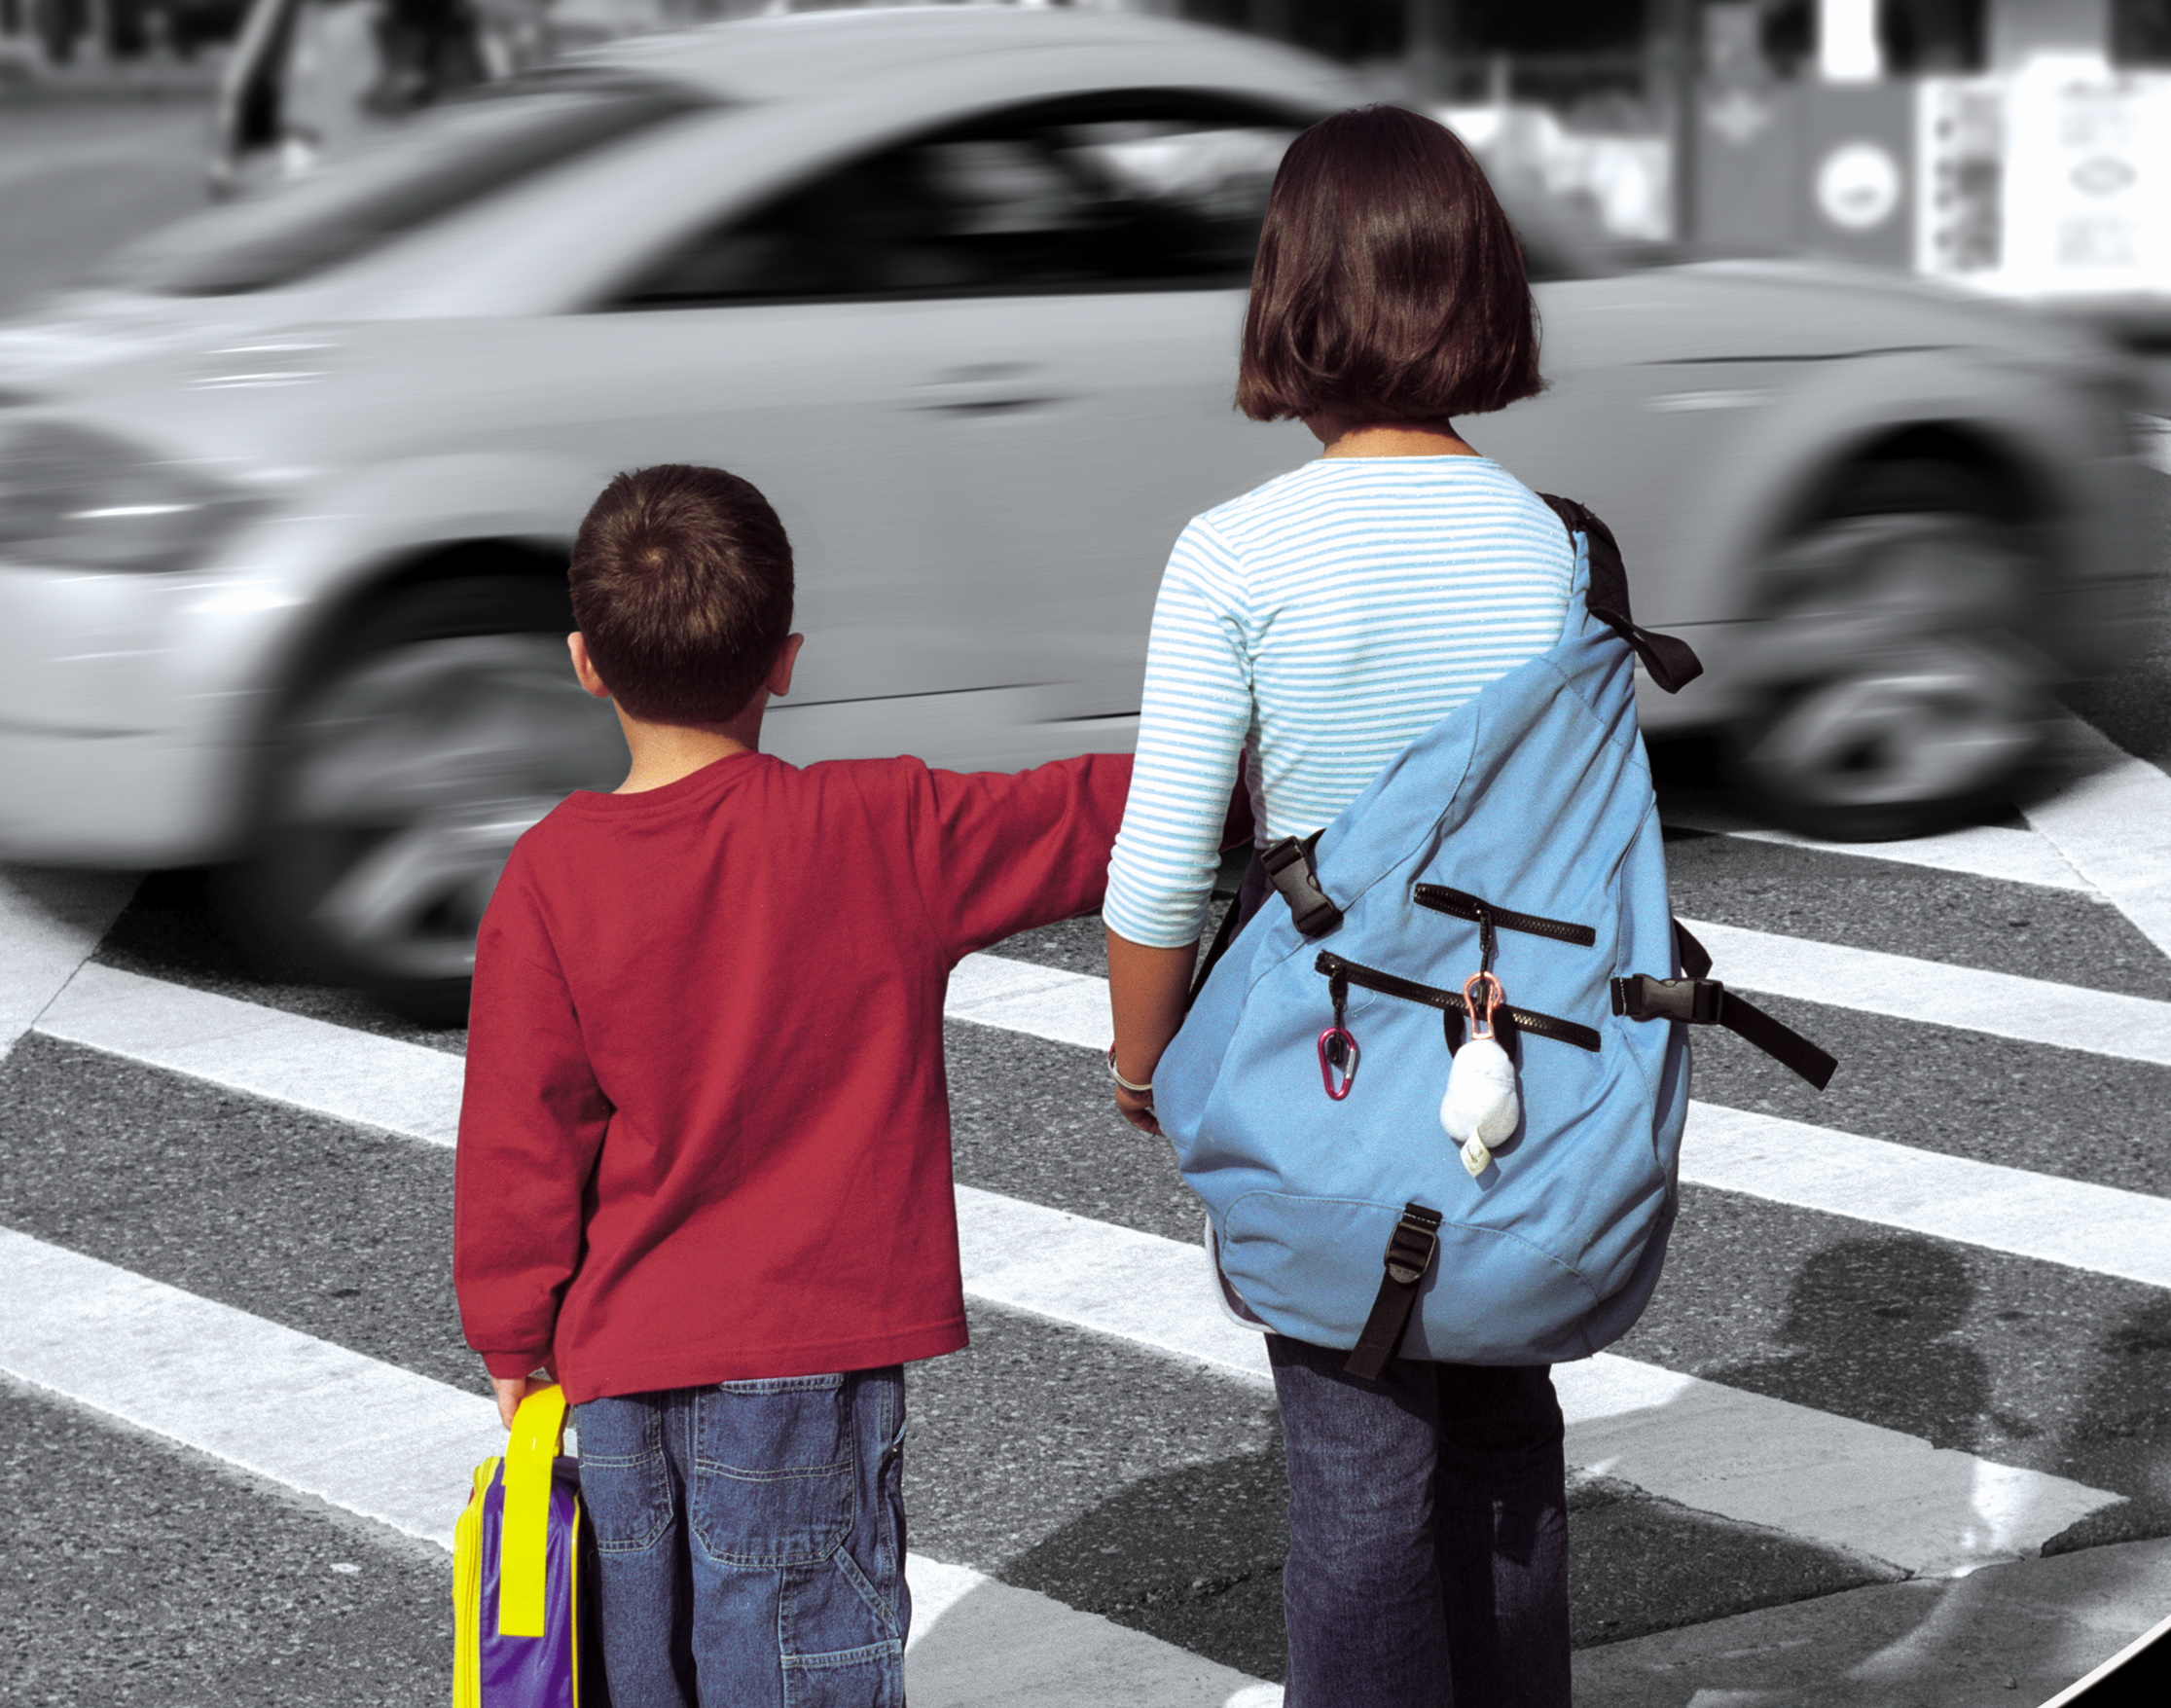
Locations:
{"points": [[779, 672], [584, 667]]}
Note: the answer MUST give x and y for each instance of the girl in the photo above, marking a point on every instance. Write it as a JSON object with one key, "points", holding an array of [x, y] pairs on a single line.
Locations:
{"points": [[1312, 628]]}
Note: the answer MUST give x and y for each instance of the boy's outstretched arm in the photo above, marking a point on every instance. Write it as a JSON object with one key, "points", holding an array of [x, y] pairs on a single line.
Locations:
{"points": [[532, 1119], [999, 852]]}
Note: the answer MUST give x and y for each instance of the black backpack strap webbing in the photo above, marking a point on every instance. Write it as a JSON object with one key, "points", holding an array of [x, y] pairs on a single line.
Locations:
{"points": [[1672, 663], [1409, 1254], [1705, 1001], [1234, 918], [1694, 958]]}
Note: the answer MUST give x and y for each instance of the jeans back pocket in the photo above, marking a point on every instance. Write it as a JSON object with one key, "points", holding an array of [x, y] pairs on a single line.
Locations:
{"points": [[773, 1470]]}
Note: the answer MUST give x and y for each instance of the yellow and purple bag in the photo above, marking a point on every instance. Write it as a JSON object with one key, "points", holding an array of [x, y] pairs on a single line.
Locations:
{"points": [[522, 1591]]}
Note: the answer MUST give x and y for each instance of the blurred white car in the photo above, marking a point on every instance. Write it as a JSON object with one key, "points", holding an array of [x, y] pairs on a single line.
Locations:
{"points": [[285, 495]]}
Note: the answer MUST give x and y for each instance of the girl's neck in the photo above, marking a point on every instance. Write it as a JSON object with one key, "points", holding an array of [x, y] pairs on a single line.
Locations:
{"points": [[1344, 438]]}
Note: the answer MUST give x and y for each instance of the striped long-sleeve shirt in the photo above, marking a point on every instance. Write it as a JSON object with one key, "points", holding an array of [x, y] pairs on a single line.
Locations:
{"points": [[1317, 625]]}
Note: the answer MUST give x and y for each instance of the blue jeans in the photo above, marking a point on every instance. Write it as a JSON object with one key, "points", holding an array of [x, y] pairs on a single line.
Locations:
{"points": [[752, 1541], [1428, 1534]]}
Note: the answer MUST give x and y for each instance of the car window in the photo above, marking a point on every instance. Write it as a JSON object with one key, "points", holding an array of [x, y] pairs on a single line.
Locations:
{"points": [[1117, 193], [443, 161]]}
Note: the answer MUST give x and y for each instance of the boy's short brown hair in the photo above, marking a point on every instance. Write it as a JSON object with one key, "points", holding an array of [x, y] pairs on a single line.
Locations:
{"points": [[1388, 286], [681, 583]]}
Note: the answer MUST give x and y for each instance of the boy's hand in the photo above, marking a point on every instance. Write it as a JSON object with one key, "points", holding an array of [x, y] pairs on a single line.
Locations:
{"points": [[511, 1391]]}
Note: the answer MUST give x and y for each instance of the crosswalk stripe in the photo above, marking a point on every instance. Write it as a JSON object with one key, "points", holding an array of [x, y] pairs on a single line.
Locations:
{"points": [[1072, 1007], [399, 1449], [2112, 823], [1835, 1481], [366, 1436], [50, 922], [1631, 1419], [2078, 1223], [2101, 1229], [337, 1071], [1062, 1006], [1933, 992], [413, 1091], [1978, 851]]}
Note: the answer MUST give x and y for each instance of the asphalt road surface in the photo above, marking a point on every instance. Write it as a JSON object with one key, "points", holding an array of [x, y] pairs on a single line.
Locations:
{"points": [[1916, 1324], [1862, 1362]]}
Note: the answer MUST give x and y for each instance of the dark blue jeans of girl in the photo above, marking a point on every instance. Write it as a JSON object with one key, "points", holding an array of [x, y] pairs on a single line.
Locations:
{"points": [[1427, 1534], [752, 1541]]}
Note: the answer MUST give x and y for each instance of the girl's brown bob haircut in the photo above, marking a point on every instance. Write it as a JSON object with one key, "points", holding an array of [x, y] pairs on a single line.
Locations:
{"points": [[1388, 286]]}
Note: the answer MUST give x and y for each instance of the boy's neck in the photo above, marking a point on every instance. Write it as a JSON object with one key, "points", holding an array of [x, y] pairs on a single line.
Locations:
{"points": [[664, 752]]}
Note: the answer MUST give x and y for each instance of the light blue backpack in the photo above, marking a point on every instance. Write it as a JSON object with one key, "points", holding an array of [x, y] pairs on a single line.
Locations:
{"points": [[1519, 836]]}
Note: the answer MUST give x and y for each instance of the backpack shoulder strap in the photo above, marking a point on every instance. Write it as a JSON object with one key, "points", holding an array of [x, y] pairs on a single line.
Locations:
{"points": [[1671, 660]]}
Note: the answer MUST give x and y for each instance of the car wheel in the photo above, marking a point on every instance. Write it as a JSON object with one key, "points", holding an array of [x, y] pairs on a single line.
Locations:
{"points": [[446, 725], [1897, 696]]}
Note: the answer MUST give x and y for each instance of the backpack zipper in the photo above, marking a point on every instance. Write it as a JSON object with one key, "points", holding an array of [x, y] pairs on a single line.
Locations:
{"points": [[1388, 984], [1462, 905]]}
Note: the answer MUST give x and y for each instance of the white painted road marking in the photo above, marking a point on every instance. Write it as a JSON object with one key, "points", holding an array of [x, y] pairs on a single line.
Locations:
{"points": [[1977, 851], [1072, 1007], [1849, 1485], [1068, 1008], [1115, 1280], [335, 1070], [2112, 823], [1931, 1512], [1653, 1427], [412, 1091], [399, 1449], [2002, 1004], [2073, 1222], [49, 924], [366, 1436]]}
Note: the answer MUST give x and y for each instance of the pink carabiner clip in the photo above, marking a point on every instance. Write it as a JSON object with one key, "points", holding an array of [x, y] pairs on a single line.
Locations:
{"points": [[1481, 1017], [1338, 1053]]}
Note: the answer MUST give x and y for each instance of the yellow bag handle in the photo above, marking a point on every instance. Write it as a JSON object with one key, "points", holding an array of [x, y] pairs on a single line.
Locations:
{"points": [[524, 1544]]}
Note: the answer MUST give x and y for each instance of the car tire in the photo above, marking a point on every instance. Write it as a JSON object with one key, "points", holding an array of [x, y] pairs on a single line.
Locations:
{"points": [[1897, 697], [423, 741]]}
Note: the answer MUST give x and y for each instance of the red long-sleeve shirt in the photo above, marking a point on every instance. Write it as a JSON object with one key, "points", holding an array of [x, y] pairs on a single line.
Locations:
{"points": [[706, 1135]]}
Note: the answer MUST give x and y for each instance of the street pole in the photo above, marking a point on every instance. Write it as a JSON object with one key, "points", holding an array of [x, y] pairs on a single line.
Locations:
{"points": [[1429, 33], [1275, 19], [1672, 60]]}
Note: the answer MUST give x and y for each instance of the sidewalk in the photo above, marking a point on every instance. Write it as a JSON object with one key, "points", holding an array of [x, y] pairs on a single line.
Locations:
{"points": [[26, 81], [2017, 1633]]}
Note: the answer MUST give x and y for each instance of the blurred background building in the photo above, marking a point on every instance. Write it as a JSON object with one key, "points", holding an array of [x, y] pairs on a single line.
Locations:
{"points": [[2017, 145]]}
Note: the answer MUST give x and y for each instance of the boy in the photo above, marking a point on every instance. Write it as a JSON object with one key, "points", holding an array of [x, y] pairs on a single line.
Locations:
{"points": [[703, 1170]]}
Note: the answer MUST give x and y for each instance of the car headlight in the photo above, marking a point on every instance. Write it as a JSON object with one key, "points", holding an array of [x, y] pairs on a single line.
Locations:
{"points": [[74, 496]]}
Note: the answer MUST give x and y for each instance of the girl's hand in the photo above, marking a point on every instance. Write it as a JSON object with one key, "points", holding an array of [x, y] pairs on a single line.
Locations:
{"points": [[1146, 992], [1137, 1110]]}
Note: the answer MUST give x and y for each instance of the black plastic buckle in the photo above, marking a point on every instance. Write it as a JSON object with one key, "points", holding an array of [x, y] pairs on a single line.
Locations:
{"points": [[1288, 862], [1415, 1243], [1700, 1001]]}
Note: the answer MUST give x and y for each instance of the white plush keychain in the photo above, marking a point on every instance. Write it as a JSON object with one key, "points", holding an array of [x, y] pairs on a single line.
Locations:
{"points": [[1481, 1107]]}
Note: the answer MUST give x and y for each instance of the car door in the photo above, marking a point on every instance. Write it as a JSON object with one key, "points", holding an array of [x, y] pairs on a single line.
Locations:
{"points": [[792, 343], [1084, 382], [1036, 315]]}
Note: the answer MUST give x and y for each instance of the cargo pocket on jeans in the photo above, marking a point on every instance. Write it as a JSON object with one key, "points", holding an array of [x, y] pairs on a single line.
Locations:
{"points": [[773, 1470], [840, 1649], [625, 1484]]}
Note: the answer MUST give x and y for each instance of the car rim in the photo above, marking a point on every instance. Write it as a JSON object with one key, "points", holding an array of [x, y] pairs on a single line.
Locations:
{"points": [[1938, 724], [411, 778]]}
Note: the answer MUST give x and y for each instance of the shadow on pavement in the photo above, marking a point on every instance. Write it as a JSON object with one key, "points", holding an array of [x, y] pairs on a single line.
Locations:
{"points": [[1875, 1328], [1872, 1328]]}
